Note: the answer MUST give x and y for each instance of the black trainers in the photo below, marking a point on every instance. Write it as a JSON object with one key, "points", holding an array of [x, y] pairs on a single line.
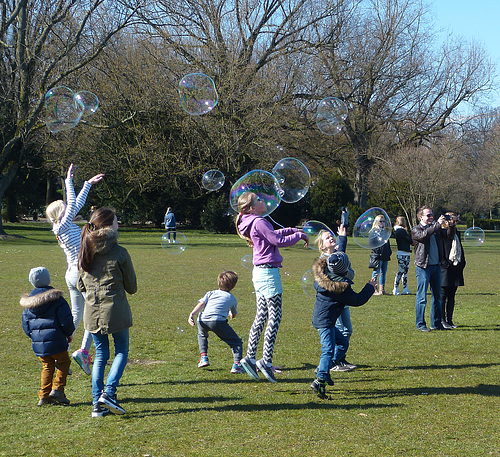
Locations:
{"points": [[99, 411], [319, 386], [58, 397], [249, 367], [329, 380], [266, 371], [110, 403], [348, 365]]}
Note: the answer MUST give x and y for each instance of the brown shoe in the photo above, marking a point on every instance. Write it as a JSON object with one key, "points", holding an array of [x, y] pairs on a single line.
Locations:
{"points": [[45, 401], [58, 397]]}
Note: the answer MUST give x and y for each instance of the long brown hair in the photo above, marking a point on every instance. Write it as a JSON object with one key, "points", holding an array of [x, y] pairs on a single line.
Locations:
{"points": [[245, 202], [101, 218]]}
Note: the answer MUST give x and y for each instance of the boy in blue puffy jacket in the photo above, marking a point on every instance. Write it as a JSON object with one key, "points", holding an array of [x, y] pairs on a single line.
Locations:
{"points": [[48, 321]]}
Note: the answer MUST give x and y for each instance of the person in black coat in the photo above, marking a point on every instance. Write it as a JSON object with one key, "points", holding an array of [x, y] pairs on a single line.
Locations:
{"points": [[48, 321], [452, 270]]}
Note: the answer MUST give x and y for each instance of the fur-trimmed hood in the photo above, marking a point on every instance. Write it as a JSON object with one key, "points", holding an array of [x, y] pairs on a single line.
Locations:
{"points": [[104, 239], [39, 297], [324, 281]]}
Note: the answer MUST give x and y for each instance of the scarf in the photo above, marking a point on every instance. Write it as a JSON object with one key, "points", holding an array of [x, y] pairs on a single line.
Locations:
{"points": [[455, 251]]}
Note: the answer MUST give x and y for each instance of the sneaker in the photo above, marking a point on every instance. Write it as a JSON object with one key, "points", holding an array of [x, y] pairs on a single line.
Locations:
{"points": [[203, 362], [99, 411], [351, 366], [340, 367], [266, 371], [329, 380], [250, 368], [110, 402], [406, 291], [45, 401], [396, 291], [83, 359], [58, 397], [446, 325], [237, 368], [319, 386]]}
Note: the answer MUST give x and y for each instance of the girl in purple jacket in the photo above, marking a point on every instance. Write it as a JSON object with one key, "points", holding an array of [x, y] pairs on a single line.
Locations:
{"points": [[265, 241]]}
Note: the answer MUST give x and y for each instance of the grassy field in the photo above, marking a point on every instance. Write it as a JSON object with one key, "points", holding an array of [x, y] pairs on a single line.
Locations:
{"points": [[414, 394]]}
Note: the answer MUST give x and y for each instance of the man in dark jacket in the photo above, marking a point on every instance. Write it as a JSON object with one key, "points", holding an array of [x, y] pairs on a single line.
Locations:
{"points": [[427, 267], [48, 321]]}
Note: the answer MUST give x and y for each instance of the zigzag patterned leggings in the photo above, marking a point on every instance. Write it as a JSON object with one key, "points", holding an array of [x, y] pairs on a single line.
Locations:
{"points": [[268, 309]]}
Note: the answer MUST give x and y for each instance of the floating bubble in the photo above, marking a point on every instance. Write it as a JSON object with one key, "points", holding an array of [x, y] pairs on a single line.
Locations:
{"points": [[294, 179], [213, 180], [330, 116], [247, 261], [372, 229], [174, 246], [89, 101], [312, 229], [198, 94], [474, 236], [260, 182], [308, 284], [62, 110]]}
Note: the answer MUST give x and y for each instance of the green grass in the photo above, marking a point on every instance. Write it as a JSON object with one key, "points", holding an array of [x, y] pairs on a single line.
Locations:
{"points": [[414, 394]]}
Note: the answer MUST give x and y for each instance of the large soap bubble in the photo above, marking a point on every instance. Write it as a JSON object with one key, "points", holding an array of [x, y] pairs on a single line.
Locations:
{"points": [[174, 246], [62, 110], [198, 94], [331, 114], [260, 182], [474, 236], [308, 284], [89, 101], [213, 180], [313, 229], [372, 229], [294, 179], [247, 261]]}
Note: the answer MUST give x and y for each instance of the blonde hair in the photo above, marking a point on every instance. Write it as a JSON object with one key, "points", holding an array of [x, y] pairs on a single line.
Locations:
{"points": [[245, 203], [319, 239], [55, 211], [227, 280], [377, 220], [401, 220]]}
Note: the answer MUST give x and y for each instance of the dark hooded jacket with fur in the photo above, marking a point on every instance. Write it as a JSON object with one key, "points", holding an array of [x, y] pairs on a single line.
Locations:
{"points": [[47, 320], [332, 296], [111, 275]]}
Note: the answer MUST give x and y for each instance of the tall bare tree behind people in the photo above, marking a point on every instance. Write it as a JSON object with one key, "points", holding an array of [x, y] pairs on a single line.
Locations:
{"points": [[400, 83], [44, 45]]}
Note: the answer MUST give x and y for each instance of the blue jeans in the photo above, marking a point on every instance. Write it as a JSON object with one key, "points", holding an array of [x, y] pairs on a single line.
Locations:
{"points": [[333, 344], [224, 331], [121, 340], [344, 326], [382, 271], [430, 276]]}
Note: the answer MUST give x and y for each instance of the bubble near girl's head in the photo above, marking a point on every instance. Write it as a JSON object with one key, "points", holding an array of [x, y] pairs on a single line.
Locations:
{"points": [[213, 180], [261, 183], [294, 179], [197, 94], [372, 229], [474, 236], [330, 116], [62, 110], [316, 228]]}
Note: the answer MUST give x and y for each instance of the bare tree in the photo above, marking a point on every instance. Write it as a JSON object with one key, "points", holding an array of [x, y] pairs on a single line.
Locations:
{"points": [[45, 44]]}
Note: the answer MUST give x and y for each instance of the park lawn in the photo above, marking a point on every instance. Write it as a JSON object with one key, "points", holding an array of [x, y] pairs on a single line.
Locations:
{"points": [[414, 394]]}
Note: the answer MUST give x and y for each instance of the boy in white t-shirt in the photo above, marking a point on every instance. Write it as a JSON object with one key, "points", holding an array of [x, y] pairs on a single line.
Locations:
{"points": [[214, 309]]}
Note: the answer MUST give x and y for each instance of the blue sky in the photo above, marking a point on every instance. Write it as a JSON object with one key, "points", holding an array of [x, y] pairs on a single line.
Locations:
{"points": [[478, 20]]}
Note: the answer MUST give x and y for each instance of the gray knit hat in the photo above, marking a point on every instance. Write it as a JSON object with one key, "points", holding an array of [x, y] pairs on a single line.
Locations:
{"points": [[39, 277], [338, 263]]}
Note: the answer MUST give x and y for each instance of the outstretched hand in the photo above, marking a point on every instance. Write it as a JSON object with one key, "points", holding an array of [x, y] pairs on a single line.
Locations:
{"points": [[373, 282], [70, 172], [95, 179], [342, 231]]}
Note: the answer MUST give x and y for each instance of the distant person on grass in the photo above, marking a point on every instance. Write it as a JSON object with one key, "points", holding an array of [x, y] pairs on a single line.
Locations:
{"points": [[265, 242], [404, 243], [47, 320], [68, 236], [106, 276], [333, 293], [214, 309], [170, 224]]}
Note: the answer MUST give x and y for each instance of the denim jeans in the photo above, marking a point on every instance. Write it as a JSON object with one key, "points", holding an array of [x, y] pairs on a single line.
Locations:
{"points": [[334, 346], [77, 303], [224, 331], [382, 271], [344, 322], [430, 276], [121, 341]]}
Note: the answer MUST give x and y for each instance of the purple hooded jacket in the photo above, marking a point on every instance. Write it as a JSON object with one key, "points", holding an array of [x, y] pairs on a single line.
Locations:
{"points": [[266, 240]]}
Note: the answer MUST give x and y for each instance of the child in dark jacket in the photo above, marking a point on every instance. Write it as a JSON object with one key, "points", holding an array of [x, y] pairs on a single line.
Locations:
{"points": [[333, 292], [48, 321]]}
